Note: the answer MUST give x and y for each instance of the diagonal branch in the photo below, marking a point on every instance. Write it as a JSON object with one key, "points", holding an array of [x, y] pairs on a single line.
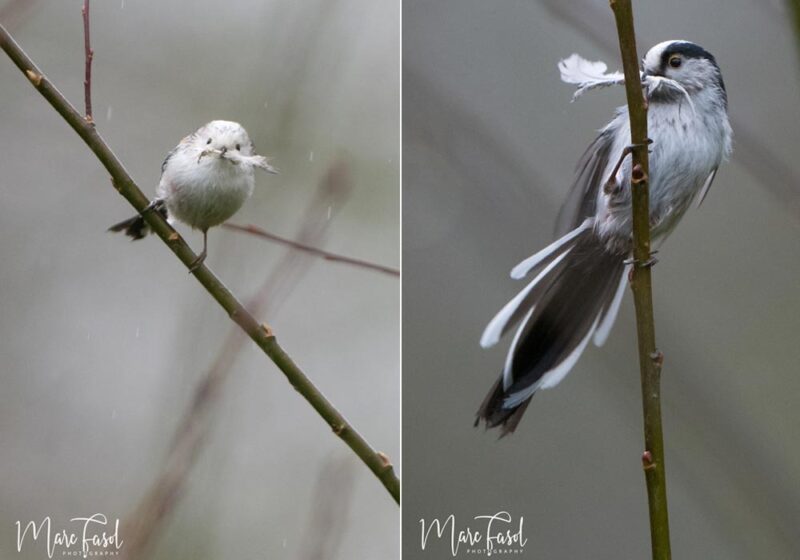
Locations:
{"points": [[262, 335], [327, 255], [650, 359]]}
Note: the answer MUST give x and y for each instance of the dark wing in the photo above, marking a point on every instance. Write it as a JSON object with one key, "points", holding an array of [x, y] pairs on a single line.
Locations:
{"points": [[581, 201]]}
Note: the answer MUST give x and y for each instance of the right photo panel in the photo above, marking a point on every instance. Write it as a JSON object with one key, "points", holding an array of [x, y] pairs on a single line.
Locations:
{"points": [[601, 279]]}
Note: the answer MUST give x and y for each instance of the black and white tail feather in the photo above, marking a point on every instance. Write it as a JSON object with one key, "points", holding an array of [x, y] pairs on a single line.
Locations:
{"points": [[555, 325]]}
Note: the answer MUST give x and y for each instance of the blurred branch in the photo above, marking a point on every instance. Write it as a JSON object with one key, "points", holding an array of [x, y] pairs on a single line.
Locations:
{"points": [[89, 56], [262, 335], [650, 359], [794, 8], [15, 11], [330, 503], [151, 513], [764, 165], [258, 232]]}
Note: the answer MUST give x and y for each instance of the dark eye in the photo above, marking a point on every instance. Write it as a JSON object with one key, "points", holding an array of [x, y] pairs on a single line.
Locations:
{"points": [[675, 61], [238, 146], [209, 141]]}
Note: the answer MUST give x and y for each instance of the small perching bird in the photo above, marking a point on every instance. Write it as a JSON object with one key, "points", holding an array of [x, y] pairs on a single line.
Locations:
{"points": [[205, 179], [579, 279]]}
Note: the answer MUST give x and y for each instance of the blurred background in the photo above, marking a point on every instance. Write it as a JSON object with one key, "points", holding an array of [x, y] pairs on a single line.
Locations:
{"points": [[490, 141], [104, 342]]}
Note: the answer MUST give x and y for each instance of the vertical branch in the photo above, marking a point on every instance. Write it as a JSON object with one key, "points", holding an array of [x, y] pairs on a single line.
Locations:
{"points": [[794, 8], [650, 359], [89, 55]]}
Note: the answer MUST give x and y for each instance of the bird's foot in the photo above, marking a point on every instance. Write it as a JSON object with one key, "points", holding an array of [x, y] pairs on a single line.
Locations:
{"points": [[198, 262]]}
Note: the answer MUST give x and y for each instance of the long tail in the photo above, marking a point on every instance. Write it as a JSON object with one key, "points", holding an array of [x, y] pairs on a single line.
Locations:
{"points": [[136, 227], [575, 296]]}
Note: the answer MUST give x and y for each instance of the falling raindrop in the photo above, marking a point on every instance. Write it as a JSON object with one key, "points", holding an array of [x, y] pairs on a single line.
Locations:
{"points": [[311, 155], [329, 212], [109, 112], [138, 332]]}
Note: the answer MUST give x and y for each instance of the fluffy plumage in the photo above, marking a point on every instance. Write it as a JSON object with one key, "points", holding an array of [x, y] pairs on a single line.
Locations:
{"points": [[580, 278], [205, 179]]}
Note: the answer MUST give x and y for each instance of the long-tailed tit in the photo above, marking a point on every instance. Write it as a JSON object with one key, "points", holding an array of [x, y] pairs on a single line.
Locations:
{"points": [[205, 179], [579, 279]]}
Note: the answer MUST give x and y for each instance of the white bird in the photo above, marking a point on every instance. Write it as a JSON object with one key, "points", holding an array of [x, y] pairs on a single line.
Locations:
{"points": [[205, 179]]}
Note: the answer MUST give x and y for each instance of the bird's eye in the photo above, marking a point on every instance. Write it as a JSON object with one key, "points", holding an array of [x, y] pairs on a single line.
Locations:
{"points": [[209, 141], [675, 61], [238, 146]]}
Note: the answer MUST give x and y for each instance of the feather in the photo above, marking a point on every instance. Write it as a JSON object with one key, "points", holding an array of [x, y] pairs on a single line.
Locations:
{"points": [[587, 75], [508, 316], [545, 255], [706, 187]]}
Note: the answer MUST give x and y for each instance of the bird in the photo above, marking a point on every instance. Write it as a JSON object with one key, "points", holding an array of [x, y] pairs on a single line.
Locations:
{"points": [[578, 281], [204, 181]]}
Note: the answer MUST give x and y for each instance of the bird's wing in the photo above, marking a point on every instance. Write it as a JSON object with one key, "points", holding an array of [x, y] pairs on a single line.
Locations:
{"points": [[185, 142], [581, 201]]}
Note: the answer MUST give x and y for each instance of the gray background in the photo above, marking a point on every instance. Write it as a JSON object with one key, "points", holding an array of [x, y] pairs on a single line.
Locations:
{"points": [[490, 142], [103, 341]]}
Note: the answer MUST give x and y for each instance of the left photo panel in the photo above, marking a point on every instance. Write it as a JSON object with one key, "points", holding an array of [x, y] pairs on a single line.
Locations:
{"points": [[200, 284]]}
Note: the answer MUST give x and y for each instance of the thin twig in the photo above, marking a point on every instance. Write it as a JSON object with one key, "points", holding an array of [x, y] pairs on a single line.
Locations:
{"points": [[89, 56], [650, 359], [260, 334], [142, 527], [257, 231]]}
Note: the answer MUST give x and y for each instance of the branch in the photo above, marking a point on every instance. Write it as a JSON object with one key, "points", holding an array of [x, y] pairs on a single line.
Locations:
{"points": [[794, 8], [89, 56], [257, 231], [262, 335], [650, 360]]}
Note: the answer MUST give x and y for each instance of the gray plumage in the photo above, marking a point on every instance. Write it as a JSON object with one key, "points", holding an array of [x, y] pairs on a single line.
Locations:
{"points": [[580, 278]]}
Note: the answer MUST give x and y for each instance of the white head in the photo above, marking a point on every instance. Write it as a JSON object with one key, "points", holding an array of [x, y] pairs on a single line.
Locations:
{"points": [[689, 64], [224, 136]]}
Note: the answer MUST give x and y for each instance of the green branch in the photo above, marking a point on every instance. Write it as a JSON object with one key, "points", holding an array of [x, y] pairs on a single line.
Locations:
{"points": [[650, 360], [262, 335]]}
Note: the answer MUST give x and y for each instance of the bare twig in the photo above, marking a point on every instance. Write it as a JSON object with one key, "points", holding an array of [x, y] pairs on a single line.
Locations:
{"points": [[650, 360], [142, 527], [89, 56], [261, 335], [257, 231]]}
